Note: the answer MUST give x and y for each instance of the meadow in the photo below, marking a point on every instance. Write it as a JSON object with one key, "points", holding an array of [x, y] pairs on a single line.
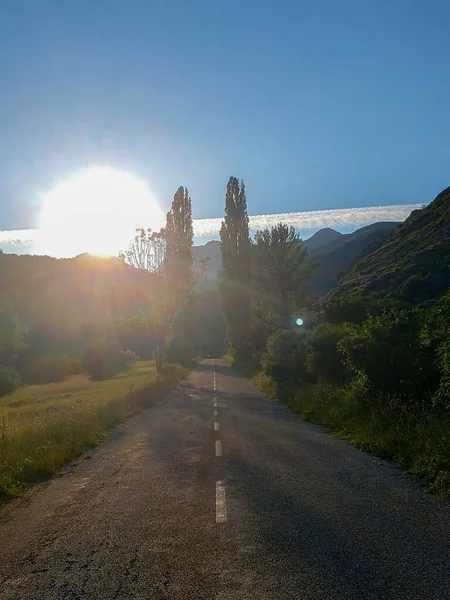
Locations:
{"points": [[42, 427]]}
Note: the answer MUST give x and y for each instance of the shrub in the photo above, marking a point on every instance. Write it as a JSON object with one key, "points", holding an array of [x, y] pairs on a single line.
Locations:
{"points": [[9, 380], [436, 335], [388, 349], [324, 357], [285, 357]]}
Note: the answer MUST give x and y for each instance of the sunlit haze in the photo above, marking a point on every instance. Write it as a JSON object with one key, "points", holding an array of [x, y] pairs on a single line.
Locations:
{"points": [[96, 211]]}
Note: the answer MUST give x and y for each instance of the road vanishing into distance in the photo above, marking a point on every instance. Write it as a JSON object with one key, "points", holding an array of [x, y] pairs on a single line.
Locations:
{"points": [[219, 493]]}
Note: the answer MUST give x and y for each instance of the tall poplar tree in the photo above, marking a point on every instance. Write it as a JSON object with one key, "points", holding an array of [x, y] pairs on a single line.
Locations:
{"points": [[179, 234], [236, 271]]}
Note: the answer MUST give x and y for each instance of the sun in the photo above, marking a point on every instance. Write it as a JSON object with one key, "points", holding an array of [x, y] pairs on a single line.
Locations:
{"points": [[95, 210]]}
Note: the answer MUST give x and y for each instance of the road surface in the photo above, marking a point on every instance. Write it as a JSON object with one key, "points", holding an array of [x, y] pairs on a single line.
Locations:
{"points": [[220, 493]]}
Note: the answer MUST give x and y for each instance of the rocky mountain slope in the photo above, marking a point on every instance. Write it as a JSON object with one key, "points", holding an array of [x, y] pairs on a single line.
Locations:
{"points": [[412, 264], [339, 255]]}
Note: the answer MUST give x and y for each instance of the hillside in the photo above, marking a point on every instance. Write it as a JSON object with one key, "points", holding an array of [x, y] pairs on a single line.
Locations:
{"points": [[333, 252], [339, 255], [413, 264], [59, 299]]}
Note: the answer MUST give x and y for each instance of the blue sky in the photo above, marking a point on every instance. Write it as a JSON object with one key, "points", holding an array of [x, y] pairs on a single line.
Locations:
{"points": [[317, 105]]}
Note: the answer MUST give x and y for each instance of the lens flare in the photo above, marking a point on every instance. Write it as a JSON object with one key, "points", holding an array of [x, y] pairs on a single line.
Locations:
{"points": [[96, 210]]}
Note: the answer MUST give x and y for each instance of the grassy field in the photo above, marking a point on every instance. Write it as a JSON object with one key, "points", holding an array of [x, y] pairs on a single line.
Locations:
{"points": [[44, 426]]}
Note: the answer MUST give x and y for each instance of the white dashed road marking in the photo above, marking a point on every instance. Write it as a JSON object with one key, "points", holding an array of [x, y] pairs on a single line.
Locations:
{"points": [[221, 509], [216, 425], [218, 448], [216, 413]]}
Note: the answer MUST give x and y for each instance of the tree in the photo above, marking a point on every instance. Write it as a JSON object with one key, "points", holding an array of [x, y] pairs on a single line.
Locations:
{"points": [[284, 358], [179, 235], [389, 350], [146, 251], [234, 279], [281, 272], [324, 357], [12, 336]]}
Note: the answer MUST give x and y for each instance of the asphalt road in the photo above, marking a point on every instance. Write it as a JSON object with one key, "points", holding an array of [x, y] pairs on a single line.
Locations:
{"points": [[220, 493]]}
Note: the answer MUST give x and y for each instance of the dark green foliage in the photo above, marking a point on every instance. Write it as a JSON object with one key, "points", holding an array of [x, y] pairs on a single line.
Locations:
{"points": [[436, 335], [280, 271], [235, 277], [12, 336], [284, 359], [345, 309], [199, 329], [388, 350], [9, 380], [324, 358], [260, 331]]}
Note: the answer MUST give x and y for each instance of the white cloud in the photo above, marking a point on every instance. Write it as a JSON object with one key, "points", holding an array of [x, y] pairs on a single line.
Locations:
{"points": [[20, 241], [341, 218], [23, 241]]}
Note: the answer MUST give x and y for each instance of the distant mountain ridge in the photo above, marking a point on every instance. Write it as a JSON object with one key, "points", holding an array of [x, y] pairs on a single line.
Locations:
{"points": [[333, 252], [211, 251], [412, 264], [321, 239], [339, 255]]}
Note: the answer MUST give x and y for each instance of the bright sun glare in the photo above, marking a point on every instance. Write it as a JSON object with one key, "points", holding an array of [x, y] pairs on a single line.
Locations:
{"points": [[97, 210]]}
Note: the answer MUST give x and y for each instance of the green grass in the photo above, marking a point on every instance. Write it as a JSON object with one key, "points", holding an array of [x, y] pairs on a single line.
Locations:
{"points": [[417, 442], [42, 427]]}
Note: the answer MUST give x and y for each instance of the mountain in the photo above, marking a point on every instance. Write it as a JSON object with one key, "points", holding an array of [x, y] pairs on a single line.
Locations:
{"points": [[210, 250], [321, 239], [412, 264], [333, 252], [339, 255]]}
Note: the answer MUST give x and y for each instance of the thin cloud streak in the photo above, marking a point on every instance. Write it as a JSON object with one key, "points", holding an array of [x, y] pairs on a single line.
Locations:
{"points": [[316, 219], [23, 241]]}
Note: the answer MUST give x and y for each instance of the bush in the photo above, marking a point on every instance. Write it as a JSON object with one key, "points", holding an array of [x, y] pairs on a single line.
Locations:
{"points": [[436, 335], [324, 357], [388, 349], [9, 380], [285, 357]]}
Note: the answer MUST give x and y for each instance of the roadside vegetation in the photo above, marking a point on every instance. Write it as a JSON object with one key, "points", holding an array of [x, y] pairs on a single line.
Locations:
{"points": [[373, 370], [42, 427], [87, 342]]}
